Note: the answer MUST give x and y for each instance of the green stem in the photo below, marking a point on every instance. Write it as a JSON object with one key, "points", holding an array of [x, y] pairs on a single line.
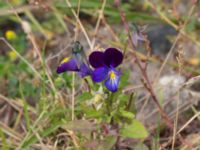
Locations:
{"points": [[111, 99], [109, 103], [130, 102]]}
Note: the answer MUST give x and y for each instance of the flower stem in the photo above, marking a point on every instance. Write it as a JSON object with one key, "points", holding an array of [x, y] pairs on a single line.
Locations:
{"points": [[109, 102]]}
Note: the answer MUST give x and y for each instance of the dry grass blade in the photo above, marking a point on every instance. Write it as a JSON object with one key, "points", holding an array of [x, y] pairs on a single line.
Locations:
{"points": [[21, 57], [188, 122], [81, 25]]}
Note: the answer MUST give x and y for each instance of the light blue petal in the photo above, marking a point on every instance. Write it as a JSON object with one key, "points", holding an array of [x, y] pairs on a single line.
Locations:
{"points": [[112, 83]]}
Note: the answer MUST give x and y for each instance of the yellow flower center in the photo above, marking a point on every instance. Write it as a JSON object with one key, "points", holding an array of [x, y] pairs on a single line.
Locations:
{"points": [[112, 75], [66, 59]]}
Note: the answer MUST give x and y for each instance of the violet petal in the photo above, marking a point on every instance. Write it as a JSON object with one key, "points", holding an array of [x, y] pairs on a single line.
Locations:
{"points": [[84, 70], [113, 57], [70, 65], [100, 74], [96, 59]]}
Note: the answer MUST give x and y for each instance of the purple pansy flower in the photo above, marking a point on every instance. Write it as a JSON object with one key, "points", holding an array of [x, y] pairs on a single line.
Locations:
{"points": [[72, 64], [105, 64], [78, 63]]}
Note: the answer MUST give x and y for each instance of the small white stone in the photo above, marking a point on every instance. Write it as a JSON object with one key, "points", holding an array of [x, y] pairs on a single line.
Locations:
{"points": [[26, 27]]}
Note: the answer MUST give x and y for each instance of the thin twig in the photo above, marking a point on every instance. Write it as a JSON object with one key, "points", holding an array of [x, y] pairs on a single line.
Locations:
{"points": [[98, 22], [188, 122], [33, 42], [146, 82], [81, 25], [171, 23], [173, 46], [180, 63], [22, 58]]}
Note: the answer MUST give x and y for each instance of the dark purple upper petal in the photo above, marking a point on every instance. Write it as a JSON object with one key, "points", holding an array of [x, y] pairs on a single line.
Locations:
{"points": [[70, 65], [96, 59], [112, 57], [100, 74]]}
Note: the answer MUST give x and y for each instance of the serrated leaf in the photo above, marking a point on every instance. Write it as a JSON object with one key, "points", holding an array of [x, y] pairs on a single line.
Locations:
{"points": [[134, 130]]}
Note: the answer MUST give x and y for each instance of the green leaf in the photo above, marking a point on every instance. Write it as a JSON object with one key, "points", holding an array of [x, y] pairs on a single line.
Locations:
{"points": [[58, 82], [92, 113], [80, 125], [108, 143], [141, 146], [124, 79], [126, 114], [85, 96], [33, 139], [123, 98], [134, 130]]}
